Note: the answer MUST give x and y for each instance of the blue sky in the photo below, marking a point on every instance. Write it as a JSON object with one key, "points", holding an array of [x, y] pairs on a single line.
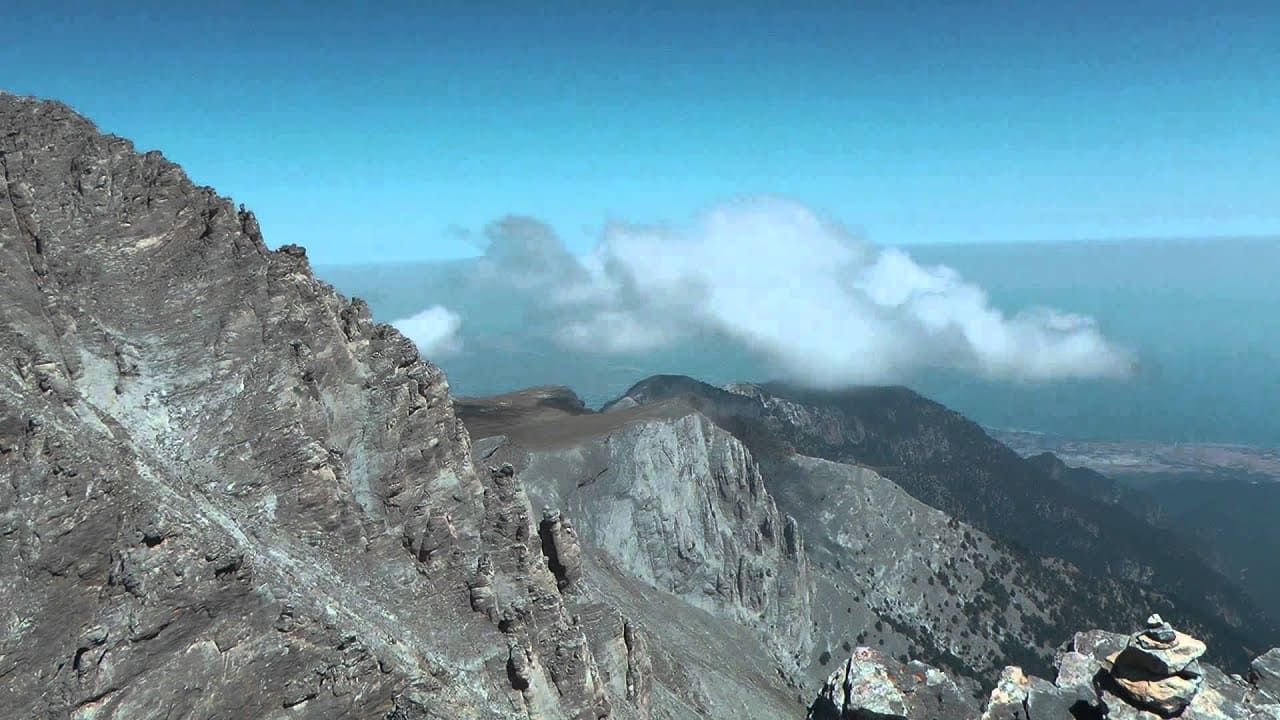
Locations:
{"points": [[366, 134]]}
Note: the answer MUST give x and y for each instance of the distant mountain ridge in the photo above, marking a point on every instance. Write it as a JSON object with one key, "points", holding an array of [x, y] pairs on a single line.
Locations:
{"points": [[950, 463]]}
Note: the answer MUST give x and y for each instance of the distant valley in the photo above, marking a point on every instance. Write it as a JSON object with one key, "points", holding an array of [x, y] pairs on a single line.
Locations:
{"points": [[1142, 463], [1223, 499]]}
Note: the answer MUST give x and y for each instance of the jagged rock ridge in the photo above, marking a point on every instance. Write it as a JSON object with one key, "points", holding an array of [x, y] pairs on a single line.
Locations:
{"points": [[227, 491], [812, 555], [672, 526]]}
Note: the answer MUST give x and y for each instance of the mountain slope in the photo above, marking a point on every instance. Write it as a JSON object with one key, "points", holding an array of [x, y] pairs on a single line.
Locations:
{"points": [[951, 464], [673, 525], [225, 490], [1228, 521], [664, 495]]}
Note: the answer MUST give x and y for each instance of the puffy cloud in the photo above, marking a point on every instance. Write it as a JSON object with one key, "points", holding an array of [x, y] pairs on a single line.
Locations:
{"points": [[784, 282], [434, 331]]}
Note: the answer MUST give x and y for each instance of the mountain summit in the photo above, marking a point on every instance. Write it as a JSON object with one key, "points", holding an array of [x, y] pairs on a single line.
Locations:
{"points": [[226, 490]]}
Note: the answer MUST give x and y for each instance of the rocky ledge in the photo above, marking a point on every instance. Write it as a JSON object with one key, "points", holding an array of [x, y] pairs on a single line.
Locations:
{"points": [[1153, 674]]}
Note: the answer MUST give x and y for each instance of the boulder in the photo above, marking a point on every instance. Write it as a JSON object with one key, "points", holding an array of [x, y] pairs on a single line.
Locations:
{"points": [[1100, 675], [1264, 673], [1019, 696]]}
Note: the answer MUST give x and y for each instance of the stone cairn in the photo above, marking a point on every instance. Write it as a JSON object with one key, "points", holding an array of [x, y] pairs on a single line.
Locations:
{"points": [[1159, 670]]}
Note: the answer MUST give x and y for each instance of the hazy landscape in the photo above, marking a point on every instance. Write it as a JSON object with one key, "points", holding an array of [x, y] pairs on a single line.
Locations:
{"points": [[1181, 306], [229, 462]]}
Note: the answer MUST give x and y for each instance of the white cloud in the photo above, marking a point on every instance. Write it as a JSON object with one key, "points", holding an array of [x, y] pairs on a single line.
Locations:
{"points": [[434, 331], [780, 280]]}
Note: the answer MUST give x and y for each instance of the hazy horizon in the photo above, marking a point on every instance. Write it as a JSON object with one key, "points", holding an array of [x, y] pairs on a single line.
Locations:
{"points": [[726, 194], [1202, 318]]}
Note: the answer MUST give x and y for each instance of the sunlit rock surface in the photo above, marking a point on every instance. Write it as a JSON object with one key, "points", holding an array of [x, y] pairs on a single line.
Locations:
{"points": [[224, 489]]}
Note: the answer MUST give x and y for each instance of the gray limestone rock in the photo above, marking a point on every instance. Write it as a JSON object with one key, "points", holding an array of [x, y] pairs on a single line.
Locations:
{"points": [[679, 504], [871, 685], [1166, 657], [226, 490], [1096, 567], [1018, 696], [561, 548], [1265, 673]]}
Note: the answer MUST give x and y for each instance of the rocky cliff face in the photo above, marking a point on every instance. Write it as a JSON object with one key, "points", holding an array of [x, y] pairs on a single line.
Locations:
{"points": [[666, 521], [947, 462], [225, 489], [955, 596], [811, 556], [679, 504]]}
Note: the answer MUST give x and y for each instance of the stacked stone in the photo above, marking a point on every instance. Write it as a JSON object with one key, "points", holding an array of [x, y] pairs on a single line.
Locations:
{"points": [[1159, 670]]}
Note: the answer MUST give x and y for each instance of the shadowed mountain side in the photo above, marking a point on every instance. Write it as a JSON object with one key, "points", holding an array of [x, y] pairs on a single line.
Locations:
{"points": [[1235, 526], [1096, 486], [1230, 522]]}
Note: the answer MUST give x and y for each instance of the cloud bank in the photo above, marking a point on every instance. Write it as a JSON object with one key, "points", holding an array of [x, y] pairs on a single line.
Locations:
{"points": [[434, 331], [779, 280]]}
